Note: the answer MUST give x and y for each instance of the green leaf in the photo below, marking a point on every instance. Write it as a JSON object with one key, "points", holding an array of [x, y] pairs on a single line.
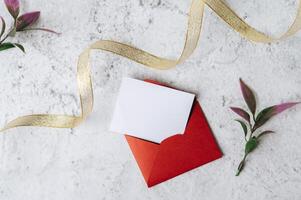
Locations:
{"points": [[251, 145], [8, 45], [244, 126], [5, 46], [3, 27], [248, 96], [270, 112], [263, 117], [20, 47], [264, 133]]}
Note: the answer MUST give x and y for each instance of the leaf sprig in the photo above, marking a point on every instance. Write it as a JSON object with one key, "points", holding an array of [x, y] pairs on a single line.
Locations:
{"points": [[251, 122], [20, 23]]}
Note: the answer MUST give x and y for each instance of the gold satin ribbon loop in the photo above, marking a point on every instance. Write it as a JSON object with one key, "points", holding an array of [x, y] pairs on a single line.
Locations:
{"points": [[238, 24], [137, 55]]}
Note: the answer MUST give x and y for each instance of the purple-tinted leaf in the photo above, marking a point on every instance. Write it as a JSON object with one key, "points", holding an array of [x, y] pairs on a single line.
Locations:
{"points": [[41, 29], [284, 106], [264, 133], [13, 7], [26, 20], [248, 96], [3, 26], [269, 112], [241, 113]]}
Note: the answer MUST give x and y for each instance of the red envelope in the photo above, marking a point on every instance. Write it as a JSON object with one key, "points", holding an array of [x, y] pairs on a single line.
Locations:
{"points": [[176, 154]]}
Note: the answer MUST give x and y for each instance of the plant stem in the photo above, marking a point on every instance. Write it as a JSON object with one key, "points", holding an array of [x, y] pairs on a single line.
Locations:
{"points": [[254, 117], [242, 162], [252, 130], [241, 165], [4, 38], [12, 32]]}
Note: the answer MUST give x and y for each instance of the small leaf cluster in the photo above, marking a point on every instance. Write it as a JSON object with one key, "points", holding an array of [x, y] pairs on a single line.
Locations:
{"points": [[251, 122], [20, 23]]}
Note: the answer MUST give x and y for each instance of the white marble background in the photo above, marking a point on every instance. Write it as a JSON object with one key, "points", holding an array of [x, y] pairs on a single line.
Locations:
{"points": [[90, 163]]}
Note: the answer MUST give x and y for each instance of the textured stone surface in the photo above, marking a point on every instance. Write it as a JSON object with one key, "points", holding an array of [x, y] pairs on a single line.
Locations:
{"points": [[90, 163]]}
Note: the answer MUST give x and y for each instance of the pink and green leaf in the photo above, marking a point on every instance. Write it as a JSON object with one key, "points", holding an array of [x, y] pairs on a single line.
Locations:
{"points": [[13, 7], [241, 113], [27, 20], [271, 111], [249, 96], [284, 106]]}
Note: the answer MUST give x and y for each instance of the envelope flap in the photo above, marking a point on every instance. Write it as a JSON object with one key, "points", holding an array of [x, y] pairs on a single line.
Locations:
{"points": [[181, 153], [145, 154]]}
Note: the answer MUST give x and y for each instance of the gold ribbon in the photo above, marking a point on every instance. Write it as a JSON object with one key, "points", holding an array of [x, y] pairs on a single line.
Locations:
{"points": [[147, 59]]}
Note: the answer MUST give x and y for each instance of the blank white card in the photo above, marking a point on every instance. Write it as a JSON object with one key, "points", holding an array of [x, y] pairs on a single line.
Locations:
{"points": [[149, 111]]}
